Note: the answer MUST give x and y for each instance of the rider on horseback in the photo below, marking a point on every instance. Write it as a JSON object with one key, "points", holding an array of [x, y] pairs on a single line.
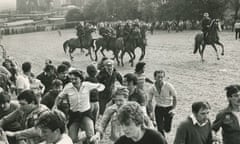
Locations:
{"points": [[136, 29], [126, 31], [107, 32], [80, 32], [119, 30], [206, 21]]}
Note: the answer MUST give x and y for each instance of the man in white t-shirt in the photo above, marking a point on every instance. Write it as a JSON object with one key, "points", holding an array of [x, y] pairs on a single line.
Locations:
{"points": [[165, 99], [22, 81]]}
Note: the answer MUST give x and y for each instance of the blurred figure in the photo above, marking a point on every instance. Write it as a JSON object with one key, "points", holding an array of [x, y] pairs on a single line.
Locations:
{"points": [[237, 29]]}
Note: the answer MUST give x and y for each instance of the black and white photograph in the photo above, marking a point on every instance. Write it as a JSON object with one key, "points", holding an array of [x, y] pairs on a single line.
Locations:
{"points": [[119, 72]]}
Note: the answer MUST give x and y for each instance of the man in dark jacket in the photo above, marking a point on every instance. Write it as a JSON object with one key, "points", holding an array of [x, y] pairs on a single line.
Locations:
{"points": [[206, 21], [108, 77]]}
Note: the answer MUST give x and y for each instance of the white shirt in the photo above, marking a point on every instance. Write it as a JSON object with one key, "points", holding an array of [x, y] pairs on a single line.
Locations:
{"points": [[195, 121], [64, 140], [80, 100], [165, 98], [22, 82]]}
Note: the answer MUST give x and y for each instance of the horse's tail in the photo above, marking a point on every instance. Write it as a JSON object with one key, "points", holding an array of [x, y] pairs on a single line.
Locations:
{"points": [[65, 46], [197, 43]]}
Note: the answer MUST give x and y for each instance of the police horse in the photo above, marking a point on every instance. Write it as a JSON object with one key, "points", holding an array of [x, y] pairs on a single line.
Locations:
{"points": [[212, 38], [116, 45], [136, 39], [87, 42]]}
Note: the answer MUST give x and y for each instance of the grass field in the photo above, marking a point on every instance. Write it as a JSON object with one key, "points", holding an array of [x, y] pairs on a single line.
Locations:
{"points": [[172, 52]]}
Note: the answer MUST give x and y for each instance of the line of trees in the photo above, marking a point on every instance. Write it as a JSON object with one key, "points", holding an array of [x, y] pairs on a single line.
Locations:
{"points": [[152, 10]]}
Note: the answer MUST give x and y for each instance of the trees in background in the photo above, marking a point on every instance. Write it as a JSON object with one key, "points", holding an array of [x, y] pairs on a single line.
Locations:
{"points": [[152, 10]]}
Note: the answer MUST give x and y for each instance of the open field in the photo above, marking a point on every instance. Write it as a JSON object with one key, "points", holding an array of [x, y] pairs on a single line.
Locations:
{"points": [[172, 52]]}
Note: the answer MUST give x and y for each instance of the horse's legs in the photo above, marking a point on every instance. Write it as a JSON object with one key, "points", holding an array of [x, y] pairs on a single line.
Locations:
{"points": [[90, 53], [102, 52], [202, 51], [70, 51], [221, 47], [213, 45], [143, 48], [122, 55], [116, 56], [133, 57], [96, 50]]}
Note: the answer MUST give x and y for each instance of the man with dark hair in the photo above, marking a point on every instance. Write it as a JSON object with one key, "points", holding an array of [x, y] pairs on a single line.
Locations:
{"points": [[62, 74], [49, 98], [7, 107], [77, 94], [131, 119], [27, 115], [229, 118], [22, 81], [136, 94], [130, 81], [53, 128], [47, 76], [165, 97], [139, 72], [196, 129], [94, 94]]}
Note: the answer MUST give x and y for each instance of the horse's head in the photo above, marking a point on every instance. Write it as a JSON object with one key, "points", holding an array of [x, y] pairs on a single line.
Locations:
{"points": [[136, 33], [215, 25]]}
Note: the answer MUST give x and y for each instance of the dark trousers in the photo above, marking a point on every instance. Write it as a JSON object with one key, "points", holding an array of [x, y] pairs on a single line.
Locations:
{"points": [[237, 33], [102, 103], [163, 118]]}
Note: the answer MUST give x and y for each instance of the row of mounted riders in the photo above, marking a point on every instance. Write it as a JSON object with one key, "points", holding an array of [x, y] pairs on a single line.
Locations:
{"points": [[122, 38]]}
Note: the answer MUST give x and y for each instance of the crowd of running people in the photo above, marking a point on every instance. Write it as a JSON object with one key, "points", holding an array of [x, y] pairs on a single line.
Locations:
{"points": [[66, 105]]}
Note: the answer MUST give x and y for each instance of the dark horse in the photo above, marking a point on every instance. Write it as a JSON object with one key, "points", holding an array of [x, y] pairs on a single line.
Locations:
{"points": [[135, 39], [87, 42], [114, 44], [211, 39]]}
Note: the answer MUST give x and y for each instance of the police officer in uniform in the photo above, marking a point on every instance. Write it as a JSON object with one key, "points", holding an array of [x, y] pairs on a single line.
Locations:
{"points": [[206, 21]]}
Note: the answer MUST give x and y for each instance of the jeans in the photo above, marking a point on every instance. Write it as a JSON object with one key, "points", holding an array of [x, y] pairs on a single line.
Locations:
{"points": [[95, 110], [163, 118], [85, 124]]}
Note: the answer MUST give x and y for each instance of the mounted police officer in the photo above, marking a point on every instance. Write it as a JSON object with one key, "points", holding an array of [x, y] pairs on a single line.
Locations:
{"points": [[206, 21], [119, 30], [80, 32]]}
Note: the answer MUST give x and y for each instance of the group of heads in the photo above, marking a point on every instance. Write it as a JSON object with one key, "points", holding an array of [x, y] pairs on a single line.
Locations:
{"points": [[201, 109]]}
